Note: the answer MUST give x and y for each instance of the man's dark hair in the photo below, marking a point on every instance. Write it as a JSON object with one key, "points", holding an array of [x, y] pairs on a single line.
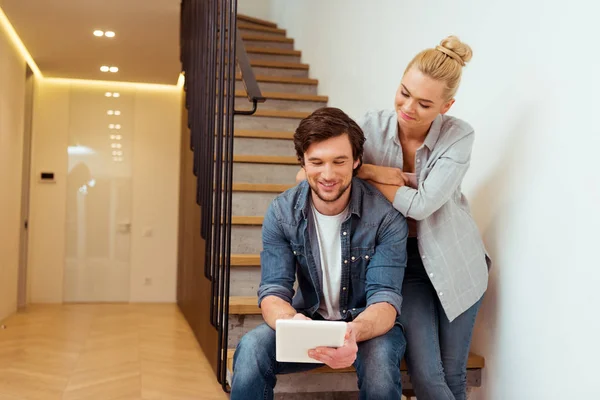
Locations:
{"points": [[326, 123]]}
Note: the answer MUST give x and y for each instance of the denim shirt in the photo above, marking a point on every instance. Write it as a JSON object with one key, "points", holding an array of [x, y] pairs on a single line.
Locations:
{"points": [[373, 238]]}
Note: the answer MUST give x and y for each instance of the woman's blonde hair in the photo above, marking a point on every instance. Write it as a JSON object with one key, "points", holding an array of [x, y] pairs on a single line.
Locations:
{"points": [[444, 63]]}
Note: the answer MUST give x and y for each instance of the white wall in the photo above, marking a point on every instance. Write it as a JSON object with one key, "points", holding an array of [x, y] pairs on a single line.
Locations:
{"points": [[155, 179], [531, 93], [12, 104], [255, 8]]}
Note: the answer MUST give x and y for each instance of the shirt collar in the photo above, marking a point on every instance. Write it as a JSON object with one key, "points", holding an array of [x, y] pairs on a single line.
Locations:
{"points": [[432, 136]]}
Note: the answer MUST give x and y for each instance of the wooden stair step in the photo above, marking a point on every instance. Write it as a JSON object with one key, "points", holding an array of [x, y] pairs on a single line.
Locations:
{"points": [[266, 38], [257, 21], [260, 28], [244, 305], [281, 114], [251, 159], [245, 260], [257, 134], [260, 187], [286, 96], [278, 64], [475, 361], [267, 50], [248, 221], [282, 79]]}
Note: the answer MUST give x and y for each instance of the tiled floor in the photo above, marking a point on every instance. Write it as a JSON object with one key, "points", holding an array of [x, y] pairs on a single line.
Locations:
{"points": [[104, 352]]}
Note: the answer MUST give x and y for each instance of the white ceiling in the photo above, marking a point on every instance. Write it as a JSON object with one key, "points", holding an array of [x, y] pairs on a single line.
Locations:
{"points": [[58, 35]]}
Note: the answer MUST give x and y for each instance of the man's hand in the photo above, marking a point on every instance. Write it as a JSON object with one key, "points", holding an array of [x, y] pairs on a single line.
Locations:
{"points": [[384, 175], [301, 317], [342, 357]]}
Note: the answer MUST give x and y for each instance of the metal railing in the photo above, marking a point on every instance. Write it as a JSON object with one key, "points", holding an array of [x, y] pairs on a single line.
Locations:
{"points": [[211, 48]]}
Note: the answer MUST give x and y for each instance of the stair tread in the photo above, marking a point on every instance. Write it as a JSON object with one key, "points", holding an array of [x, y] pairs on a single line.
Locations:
{"points": [[258, 134], [261, 187], [255, 20], [266, 38], [475, 361], [278, 64], [245, 260], [281, 114], [282, 79], [268, 50], [252, 159], [246, 220], [287, 96], [260, 28]]}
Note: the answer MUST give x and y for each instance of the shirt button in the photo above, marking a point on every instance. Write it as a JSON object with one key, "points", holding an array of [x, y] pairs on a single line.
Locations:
{"points": [[431, 275], [343, 288], [366, 257], [344, 311], [345, 261], [441, 293], [344, 233], [418, 161], [354, 309], [295, 253], [353, 258]]}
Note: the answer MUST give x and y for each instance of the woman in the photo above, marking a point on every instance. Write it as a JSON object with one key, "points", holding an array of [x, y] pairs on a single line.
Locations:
{"points": [[417, 157]]}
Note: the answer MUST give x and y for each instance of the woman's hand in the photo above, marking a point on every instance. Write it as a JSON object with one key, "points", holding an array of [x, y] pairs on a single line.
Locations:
{"points": [[384, 175], [300, 176]]}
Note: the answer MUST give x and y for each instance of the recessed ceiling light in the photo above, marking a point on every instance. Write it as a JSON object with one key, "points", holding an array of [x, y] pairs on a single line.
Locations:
{"points": [[110, 112], [109, 34], [98, 33], [104, 68], [118, 137], [117, 112], [108, 94], [116, 94], [111, 126], [117, 126], [113, 69], [116, 145]]}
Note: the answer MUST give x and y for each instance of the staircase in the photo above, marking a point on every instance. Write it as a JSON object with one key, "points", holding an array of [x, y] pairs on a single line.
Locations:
{"points": [[264, 166]]}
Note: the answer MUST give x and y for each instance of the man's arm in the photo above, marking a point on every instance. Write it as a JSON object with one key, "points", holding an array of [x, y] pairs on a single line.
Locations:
{"points": [[278, 270]]}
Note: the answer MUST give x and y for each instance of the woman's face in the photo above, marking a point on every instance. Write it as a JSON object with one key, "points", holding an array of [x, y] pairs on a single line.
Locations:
{"points": [[419, 100]]}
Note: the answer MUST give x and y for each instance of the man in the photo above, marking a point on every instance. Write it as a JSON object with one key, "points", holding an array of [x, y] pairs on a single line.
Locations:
{"points": [[347, 245]]}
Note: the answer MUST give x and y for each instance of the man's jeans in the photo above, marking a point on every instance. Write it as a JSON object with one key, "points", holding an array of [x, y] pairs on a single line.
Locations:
{"points": [[377, 366], [438, 349]]}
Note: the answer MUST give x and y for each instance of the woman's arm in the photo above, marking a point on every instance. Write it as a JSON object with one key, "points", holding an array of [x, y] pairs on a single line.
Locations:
{"points": [[384, 175]]}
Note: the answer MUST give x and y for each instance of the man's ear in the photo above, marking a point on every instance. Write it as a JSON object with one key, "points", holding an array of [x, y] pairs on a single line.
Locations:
{"points": [[356, 164], [447, 106]]}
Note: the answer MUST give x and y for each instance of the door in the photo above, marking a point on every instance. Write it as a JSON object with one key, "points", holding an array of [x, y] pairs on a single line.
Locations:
{"points": [[99, 190]]}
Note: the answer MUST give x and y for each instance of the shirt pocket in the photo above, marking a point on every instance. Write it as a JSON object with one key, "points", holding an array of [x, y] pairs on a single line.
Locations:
{"points": [[360, 257]]}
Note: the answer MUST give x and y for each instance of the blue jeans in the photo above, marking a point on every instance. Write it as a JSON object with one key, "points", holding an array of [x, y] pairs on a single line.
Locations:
{"points": [[377, 366], [437, 349]]}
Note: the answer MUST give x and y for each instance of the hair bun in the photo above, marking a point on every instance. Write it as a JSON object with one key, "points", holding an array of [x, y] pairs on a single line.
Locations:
{"points": [[454, 45]]}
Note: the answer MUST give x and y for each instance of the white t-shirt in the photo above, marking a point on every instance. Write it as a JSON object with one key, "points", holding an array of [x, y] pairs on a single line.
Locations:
{"points": [[330, 248]]}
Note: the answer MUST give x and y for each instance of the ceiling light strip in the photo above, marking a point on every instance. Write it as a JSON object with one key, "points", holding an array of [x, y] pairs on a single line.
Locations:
{"points": [[10, 31]]}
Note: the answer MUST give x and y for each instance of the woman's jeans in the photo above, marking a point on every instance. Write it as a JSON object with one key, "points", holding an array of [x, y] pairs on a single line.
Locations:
{"points": [[437, 349], [377, 366]]}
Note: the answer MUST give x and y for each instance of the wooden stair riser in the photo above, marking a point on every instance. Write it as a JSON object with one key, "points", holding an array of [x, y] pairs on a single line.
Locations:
{"points": [[275, 57], [255, 29], [266, 123], [242, 103], [269, 44], [281, 87], [247, 19], [265, 173], [261, 147]]}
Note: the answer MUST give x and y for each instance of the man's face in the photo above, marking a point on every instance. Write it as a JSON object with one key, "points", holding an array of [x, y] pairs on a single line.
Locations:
{"points": [[329, 165]]}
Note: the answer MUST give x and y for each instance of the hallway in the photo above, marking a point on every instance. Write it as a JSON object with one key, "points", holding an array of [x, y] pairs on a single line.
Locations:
{"points": [[103, 351]]}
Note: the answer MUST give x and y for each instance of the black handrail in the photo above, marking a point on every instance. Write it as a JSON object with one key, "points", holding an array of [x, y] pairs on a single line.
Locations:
{"points": [[211, 47]]}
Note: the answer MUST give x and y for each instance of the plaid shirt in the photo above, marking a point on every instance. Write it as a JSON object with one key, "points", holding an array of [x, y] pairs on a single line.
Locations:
{"points": [[449, 241]]}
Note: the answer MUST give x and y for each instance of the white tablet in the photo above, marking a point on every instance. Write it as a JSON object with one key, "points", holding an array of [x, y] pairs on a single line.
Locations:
{"points": [[295, 337]]}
